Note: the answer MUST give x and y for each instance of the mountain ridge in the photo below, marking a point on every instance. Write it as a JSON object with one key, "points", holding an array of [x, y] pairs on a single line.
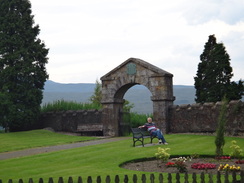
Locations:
{"points": [[139, 95]]}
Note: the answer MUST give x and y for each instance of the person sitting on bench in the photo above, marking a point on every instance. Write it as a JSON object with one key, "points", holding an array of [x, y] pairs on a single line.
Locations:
{"points": [[154, 131]]}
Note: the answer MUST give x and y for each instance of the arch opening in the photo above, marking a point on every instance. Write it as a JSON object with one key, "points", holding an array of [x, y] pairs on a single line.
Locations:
{"points": [[140, 96], [133, 72]]}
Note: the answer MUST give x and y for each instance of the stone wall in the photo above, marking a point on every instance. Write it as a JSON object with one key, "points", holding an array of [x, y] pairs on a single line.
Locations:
{"points": [[194, 118], [197, 118], [70, 121]]}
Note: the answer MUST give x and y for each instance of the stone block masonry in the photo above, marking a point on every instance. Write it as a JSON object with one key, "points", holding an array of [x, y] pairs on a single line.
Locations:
{"points": [[194, 118], [201, 118], [73, 121]]}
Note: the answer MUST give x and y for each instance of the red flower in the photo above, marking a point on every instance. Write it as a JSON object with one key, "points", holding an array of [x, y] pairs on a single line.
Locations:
{"points": [[170, 164], [240, 162], [202, 166], [223, 157]]}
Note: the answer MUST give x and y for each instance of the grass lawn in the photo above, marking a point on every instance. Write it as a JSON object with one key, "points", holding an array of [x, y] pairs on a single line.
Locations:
{"points": [[104, 159], [36, 138]]}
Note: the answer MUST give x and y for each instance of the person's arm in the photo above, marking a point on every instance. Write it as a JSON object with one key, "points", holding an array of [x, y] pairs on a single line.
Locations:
{"points": [[141, 126]]}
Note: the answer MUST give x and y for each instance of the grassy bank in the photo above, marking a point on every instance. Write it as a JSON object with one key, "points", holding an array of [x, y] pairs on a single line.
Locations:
{"points": [[104, 159]]}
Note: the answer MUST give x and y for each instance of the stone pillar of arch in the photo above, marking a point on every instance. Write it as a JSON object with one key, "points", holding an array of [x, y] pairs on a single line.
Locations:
{"points": [[132, 72]]}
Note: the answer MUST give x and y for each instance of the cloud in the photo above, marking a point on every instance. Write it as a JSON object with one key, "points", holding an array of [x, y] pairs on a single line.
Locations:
{"points": [[224, 10], [87, 39]]}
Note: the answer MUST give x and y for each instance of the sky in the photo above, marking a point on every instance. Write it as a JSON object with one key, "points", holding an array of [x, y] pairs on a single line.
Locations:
{"points": [[89, 38]]}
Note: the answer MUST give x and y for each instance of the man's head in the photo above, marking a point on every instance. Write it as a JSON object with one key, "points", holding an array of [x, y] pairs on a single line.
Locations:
{"points": [[149, 120]]}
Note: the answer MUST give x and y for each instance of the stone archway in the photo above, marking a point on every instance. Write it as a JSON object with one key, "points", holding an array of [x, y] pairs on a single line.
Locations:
{"points": [[132, 72]]}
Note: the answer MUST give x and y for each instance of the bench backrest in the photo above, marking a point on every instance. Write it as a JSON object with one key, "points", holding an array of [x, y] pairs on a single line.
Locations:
{"points": [[141, 131]]}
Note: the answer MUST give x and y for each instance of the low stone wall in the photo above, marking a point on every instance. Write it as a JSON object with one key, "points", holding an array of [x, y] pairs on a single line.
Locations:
{"points": [[194, 118], [197, 118], [70, 120]]}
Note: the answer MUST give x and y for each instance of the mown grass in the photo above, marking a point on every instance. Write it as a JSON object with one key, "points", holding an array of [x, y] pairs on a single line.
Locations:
{"points": [[104, 159], [36, 138]]}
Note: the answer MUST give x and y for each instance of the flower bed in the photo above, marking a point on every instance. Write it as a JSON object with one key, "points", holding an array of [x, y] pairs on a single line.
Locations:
{"points": [[198, 165]]}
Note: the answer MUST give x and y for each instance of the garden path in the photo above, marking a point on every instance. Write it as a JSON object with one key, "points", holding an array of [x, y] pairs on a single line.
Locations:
{"points": [[39, 150]]}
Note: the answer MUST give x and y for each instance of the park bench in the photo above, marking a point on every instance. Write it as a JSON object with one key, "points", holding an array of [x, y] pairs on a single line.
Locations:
{"points": [[90, 129], [139, 134]]}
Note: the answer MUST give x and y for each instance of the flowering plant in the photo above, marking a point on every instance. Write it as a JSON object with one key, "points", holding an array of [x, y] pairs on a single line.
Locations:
{"points": [[203, 166], [223, 157], [180, 163], [181, 166], [227, 167], [183, 159], [239, 162], [170, 164]]}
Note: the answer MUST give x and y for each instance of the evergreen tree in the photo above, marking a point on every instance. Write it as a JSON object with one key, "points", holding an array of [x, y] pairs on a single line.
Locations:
{"points": [[220, 139], [97, 95], [214, 73], [22, 65]]}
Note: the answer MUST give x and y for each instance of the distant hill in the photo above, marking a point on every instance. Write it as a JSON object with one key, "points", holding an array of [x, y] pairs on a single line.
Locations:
{"points": [[139, 95]]}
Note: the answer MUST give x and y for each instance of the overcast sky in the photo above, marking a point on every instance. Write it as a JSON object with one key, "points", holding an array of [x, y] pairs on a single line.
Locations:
{"points": [[89, 38]]}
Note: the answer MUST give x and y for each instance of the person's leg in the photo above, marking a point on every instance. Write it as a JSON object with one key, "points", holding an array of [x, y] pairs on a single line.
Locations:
{"points": [[160, 135], [155, 133]]}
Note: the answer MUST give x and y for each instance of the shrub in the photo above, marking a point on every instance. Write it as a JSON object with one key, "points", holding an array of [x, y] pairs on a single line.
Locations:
{"points": [[138, 119], [180, 163], [236, 150], [220, 140], [61, 105], [181, 166], [162, 154]]}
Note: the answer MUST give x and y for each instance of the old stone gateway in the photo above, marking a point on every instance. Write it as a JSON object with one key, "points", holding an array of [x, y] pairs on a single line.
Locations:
{"points": [[135, 72], [187, 118]]}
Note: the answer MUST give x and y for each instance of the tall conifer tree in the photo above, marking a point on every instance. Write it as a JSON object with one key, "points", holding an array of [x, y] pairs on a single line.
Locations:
{"points": [[23, 57], [213, 80]]}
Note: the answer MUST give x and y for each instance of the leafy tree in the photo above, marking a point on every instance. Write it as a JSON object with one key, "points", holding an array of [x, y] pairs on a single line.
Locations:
{"points": [[127, 106], [97, 95], [22, 65], [214, 73]]}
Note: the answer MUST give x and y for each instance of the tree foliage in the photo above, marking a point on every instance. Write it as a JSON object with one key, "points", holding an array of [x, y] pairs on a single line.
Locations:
{"points": [[220, 140], [22, 65], [96, 98], [127, 106], [213, 80]]}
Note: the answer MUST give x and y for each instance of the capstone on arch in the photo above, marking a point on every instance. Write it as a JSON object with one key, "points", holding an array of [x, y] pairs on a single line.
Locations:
{"points": [[132, 72]]}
